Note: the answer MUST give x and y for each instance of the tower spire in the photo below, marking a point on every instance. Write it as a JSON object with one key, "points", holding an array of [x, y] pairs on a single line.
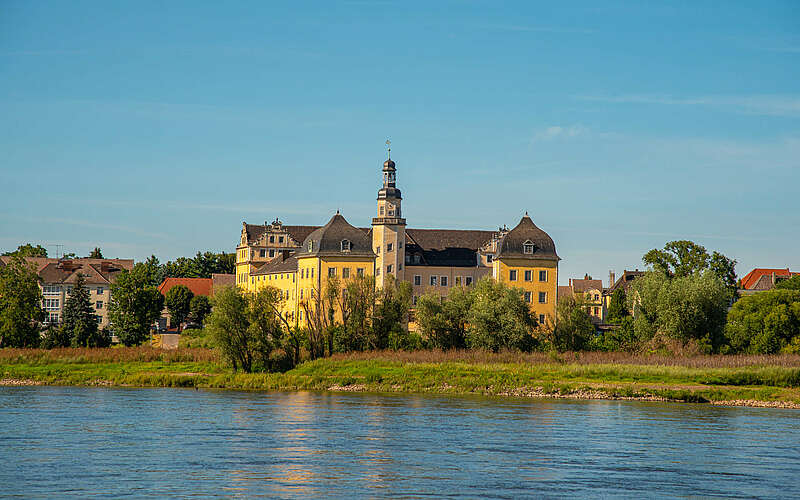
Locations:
{"points": [[389, 149]]}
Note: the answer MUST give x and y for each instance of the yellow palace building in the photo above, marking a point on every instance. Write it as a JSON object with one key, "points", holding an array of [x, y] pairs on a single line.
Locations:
{"points": [[298, 260]]}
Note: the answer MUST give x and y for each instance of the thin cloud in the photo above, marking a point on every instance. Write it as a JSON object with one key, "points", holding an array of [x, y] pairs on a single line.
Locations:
{"points": [[765, 105], [554, 132]]}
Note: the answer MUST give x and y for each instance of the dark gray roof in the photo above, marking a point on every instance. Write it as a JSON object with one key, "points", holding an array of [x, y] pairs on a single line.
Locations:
{"points": [[624, 281], [512, 243], [327, 240], [279, 264], [446, 247], [298, 233]]}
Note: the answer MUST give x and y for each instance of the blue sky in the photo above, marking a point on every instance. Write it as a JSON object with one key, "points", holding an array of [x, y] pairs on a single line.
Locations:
{"points": [[158, 127]]}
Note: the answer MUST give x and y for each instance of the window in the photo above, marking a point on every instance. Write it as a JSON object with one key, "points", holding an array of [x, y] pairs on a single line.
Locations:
{"points": [[433, 280], [596, 297], [391, 211], [301, 293], [416, 259], [527, 297], [417, 279], [468, 280], [541, 319], [311, 246], [280, 239], [263, 252], [345, 244], [50, 290], [377, 271], [51, 304], [597, 311], [543, 297], [286, 294], [512, 275], [542, 275], [408, 259], [399, 243], [271, 239], [301, 315], [380, 211], [346, 272], [312, 272], [98, 304], [400, 266], [443, 280], [388, 247], [360, 271], [99, 318], [458, 280], [100, 290], [331, 272], [378, 250], [52, 317], [414, 300], [389, 268], [252, 281], [528, 275], [271, 253], [489, 258], [527, 247]]}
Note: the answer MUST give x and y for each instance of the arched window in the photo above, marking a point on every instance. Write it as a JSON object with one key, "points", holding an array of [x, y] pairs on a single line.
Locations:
{"points": [[345, 245], [527, 247]]}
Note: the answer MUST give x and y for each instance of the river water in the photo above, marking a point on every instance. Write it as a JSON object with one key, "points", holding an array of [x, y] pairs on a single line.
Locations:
{"points": [[90, 442]]}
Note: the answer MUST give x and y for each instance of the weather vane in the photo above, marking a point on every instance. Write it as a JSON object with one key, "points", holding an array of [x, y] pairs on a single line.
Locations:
{"points": [[389, 148]]}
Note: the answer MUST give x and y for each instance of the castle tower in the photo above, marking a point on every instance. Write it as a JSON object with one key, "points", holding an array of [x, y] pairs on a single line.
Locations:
{"points": [[389, 228]]}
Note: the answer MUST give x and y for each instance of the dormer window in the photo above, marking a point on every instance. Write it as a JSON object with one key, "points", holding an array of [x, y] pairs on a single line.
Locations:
{"points": [[345, 245], [311, 246], [527, 247]]}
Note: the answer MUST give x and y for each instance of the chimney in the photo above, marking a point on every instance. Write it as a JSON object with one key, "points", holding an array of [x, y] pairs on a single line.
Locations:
{"points": [[570, 282], [611, 277], [285, 254], [586, 276]]}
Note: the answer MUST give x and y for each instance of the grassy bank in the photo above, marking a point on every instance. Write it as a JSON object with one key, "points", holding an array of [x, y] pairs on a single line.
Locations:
{"points": [[755, 380]]}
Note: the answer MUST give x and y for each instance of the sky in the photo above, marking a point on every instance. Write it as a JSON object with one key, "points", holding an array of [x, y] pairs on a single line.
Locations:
{"points": [[158, 127]]}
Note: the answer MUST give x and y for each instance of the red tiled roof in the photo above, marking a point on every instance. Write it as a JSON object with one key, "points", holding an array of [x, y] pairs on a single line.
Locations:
{"points": [[750, 279], [198, 286]]}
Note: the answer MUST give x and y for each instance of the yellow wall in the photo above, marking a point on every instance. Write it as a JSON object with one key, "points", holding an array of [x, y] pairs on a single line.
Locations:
{"points": [[319, 279], [501, 272], [286, 283]]}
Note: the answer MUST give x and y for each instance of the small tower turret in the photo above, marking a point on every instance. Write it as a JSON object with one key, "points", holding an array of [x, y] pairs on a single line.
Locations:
{"points": [[389, 228]]}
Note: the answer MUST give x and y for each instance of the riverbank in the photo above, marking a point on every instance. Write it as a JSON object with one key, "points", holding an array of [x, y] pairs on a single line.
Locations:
{"points": [[772, 381]]}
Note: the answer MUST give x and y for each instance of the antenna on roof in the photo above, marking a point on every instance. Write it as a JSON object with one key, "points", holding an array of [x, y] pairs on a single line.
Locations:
{"points": [[58, 249]]}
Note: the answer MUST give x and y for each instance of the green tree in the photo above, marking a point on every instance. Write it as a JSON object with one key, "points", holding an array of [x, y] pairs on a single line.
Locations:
{"points": [[390, 315], [444, 322], [574, 328], [245, 326], [55, 336], [79, 320], [28, 250], [499, 318], [683, 258], [96, 253], [135, 304], [792, 283], [178, 301], [691, 307], [199, 308], [617, 310], [763, 323], [20, 304], [150, 272]]}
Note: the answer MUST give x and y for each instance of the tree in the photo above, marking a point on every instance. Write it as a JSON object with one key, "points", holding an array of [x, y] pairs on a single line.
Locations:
{"points": [[390, 315], [683, 258], [178, 301], [574, 328], [691, 307], [792, 283], [96, 253], [499, 318], [79, 320], [764, 323], [199, 308], [20, 304], [616, 307], [245, 327], [28, 250], [444, 322], [149, 272], [135, 304]]}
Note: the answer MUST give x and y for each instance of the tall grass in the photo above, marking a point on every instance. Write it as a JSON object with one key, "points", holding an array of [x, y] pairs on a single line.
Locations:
{"points": [[579, 358], [98, 355]]}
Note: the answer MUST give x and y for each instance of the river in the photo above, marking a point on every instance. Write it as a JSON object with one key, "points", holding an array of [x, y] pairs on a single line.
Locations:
{"points": [[102, 442]]}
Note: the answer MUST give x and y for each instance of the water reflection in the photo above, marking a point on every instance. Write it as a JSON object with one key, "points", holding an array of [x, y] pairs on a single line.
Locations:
{"points": [[172, 442]]}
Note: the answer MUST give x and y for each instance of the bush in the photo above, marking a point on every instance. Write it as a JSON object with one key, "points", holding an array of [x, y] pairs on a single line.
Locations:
{"points": [[764, 323]]}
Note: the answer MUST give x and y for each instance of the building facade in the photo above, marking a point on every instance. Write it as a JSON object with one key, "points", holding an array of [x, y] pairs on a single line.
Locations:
{"points": [[298, 260], [57, 277]]}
